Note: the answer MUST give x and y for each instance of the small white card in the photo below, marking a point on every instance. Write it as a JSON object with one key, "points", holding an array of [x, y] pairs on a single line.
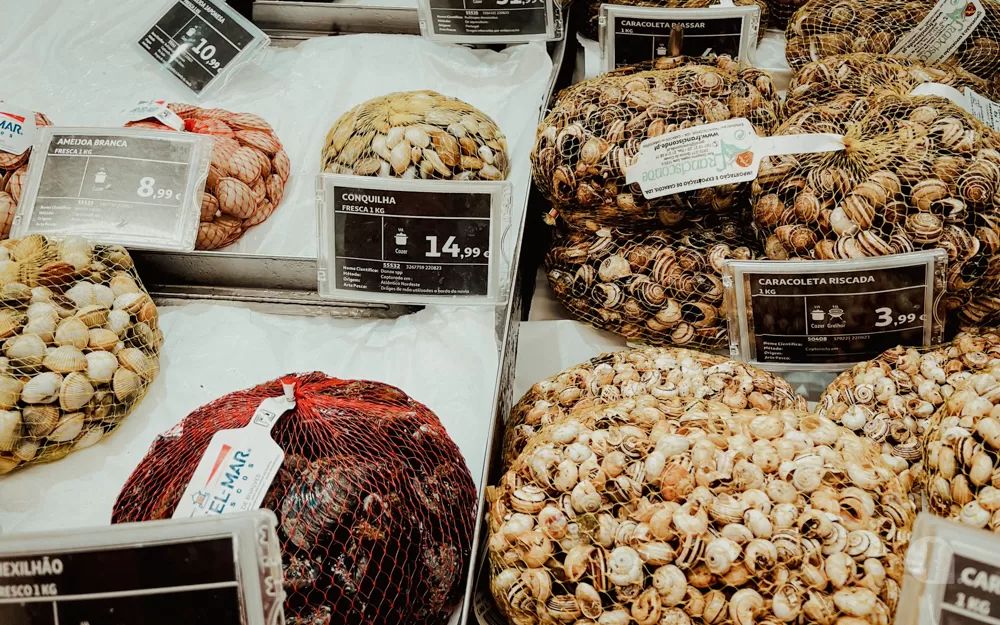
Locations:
{"points": [[980, 107], [153, 109], [939, 34]]}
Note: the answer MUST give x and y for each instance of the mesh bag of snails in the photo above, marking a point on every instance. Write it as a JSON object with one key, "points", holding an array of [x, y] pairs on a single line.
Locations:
{"points": [[591, 137], [822, 28], [81, 344], [892, 398], [591, 28], [624, 513], [838, 81], [961, 450], [675, 376], [917, 173], [13, 170], [249, 171], [417, 134], [376, 507], [660, 288]]}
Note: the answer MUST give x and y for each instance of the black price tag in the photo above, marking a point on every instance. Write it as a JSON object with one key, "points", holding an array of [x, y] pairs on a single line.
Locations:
{"points": [[419, 242], [630, 35], [972, 594], [218, 571], [485, 21], [831, 312], [199, 40], [138, 188], [193, 583]]}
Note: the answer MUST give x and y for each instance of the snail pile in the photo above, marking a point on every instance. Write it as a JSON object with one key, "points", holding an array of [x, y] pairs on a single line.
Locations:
{"points": [[591, 137], [624, 513], [81, 344], [13, 169], [248, 174], [916, 173], [824, 28], [722, 62], [376, 508], [961, 451], [838, 81], [674, 376], [416, 134], [892, 398], [594, 10], [660, 287]]}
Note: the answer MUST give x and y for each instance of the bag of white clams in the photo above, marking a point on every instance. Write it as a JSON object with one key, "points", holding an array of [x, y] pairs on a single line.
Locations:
{"points": [[81, 345]]}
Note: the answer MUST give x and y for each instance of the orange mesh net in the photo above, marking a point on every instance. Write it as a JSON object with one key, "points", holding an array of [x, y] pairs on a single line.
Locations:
{"points": [[248, 174], [13, 169], [376, 507]]}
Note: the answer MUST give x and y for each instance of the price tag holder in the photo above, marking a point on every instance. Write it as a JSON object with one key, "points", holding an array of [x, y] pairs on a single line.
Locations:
{"points": [[208, 571], [824, 315], [488, 21], [413, 241], [135, 187], [951, 576], [201, 43], [632, 34]]}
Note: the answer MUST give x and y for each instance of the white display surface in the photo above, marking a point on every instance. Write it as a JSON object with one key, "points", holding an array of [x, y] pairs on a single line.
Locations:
{"points": [[445, 358], [75, 65]]}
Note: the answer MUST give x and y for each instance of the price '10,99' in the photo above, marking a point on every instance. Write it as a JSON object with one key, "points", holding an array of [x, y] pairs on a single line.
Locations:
{"points": [[147, 189], [450, 247]]}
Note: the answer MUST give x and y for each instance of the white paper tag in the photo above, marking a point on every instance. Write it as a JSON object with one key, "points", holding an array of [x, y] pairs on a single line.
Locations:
{"points": [[980, 107], [153, 109], [714, 154], [939, 34], [238, 466], [17, 129]]}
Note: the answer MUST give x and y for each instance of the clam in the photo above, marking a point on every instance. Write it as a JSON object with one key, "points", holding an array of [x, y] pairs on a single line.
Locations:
{"points": [[69, 427], [10, 429], [101, 366], [136, 360], [119, 321], [39, 420], [127, 385], [10, 391], [42, 389], [75, 391], [65, 359], [74, 332], [25, 350], [101, 339], [93, 316]]}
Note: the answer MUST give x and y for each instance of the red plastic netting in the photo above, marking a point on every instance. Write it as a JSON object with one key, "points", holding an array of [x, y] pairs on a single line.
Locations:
{"points": [[376, 507]]}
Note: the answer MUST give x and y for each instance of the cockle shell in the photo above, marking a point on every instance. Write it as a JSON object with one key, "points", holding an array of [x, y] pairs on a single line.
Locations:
{"points": [[68, 428], [75, 391], [99, 338], [101, 366], [65, 359], [42, 389], [72, 331], [25, 350], [10, 429]]}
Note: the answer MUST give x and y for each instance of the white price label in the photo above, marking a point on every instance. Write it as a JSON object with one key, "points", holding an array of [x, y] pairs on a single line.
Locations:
{"points": [[17, 129], [238, 466], [942, 30], [714, 154], [981, 107]]}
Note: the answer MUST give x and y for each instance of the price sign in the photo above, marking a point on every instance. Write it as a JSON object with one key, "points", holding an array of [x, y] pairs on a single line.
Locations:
{"points": [[219, 571], [199, 41], [487, 21], [823, 315], [630, 34], [951, 575], [133, 187], [411, 241]]}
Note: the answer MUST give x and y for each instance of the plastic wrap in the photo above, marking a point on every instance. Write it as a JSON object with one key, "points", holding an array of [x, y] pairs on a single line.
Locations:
{"points": [[446, 359], [632, 511], [300, 91], [917, 173]]}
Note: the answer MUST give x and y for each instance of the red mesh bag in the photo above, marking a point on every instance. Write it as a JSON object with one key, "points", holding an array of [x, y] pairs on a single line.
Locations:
{"points": [[376, 507]]}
